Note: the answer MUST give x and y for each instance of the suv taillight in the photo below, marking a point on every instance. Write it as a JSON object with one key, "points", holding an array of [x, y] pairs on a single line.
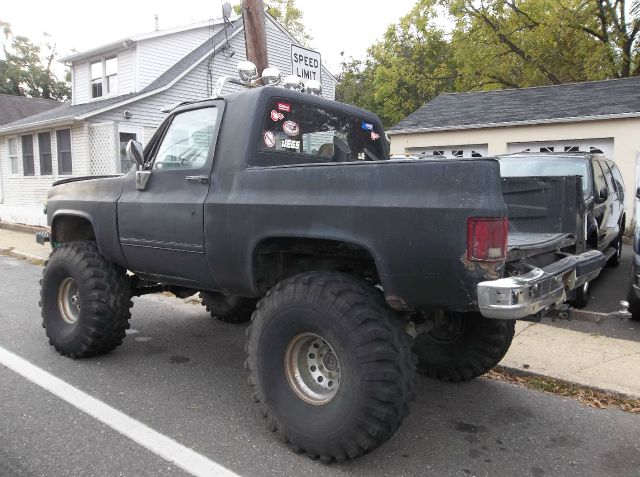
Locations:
{"points": [[487, 239]]}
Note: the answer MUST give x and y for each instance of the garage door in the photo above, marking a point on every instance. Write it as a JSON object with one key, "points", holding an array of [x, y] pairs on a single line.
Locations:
{"points": [[603, 146], [468, 150]]}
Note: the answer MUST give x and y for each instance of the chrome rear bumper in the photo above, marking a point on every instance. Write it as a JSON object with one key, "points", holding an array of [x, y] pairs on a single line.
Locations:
{"points": [[524, 295]]}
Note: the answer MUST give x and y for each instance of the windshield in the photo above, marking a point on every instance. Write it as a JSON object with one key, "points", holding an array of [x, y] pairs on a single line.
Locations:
{"points": [[527, 166], [315, 134]]}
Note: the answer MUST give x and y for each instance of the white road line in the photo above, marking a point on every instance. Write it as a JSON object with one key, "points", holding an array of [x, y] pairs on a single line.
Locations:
{"points": [[161, 445]]}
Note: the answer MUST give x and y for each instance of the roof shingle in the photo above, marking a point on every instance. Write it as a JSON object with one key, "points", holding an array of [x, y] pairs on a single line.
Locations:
{"points": [[13, 108], [547, 103]]}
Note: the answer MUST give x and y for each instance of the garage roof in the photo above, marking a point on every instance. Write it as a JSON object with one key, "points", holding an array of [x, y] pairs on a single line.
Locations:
{"points": [[573, 102]]}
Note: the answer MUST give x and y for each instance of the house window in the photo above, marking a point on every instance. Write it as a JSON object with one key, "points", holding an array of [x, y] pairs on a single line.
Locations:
{"points": [[65, 163], [111, 75], [28, 168], [96, 79], [104, 77], [571, 149], [475, 154], [457, 153], [595, 150], [44, 146], [13, 155], [547, 149], [438, 153]]}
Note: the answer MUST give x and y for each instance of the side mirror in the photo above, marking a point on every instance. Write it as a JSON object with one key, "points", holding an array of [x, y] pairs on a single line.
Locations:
{"points": [[638, 193], [603, 194], [135, 154]]}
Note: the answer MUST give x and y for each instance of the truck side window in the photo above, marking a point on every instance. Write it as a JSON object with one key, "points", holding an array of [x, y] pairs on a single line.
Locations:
{"points": [[187, 141], [617, 179], [297, 133], [598, 176]]}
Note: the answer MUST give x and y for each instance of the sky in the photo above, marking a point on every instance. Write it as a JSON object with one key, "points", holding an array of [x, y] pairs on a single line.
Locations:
{"points": [[335, 25]]}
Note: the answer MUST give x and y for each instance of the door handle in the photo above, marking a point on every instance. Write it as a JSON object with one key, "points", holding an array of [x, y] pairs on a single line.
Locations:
{"points": [[198, 179]]}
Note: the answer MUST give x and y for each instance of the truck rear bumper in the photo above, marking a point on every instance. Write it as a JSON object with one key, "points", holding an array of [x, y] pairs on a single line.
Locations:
{"points": [[524, 295]]}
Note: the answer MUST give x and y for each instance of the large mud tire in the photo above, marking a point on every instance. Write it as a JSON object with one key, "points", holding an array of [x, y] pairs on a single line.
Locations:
{"points": [[230, 309], [373, 363], [463, 346], [84, 300]]}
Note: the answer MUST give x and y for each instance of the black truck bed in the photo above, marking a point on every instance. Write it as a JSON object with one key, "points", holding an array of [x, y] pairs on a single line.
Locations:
{"points": [[545, 214]]}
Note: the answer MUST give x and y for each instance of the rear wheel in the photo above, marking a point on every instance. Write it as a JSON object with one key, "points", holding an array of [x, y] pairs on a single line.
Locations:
{"points": [[462, 346], [228, 308], [84, 300], [330, 365], [614, 261]]}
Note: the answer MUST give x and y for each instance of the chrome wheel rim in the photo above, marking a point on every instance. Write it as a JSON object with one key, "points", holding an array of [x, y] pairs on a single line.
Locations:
{"points": [[312, 368], [69, 301]]}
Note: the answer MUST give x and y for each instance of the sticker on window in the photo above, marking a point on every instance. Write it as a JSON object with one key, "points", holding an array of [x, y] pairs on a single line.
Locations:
{"points": [[290, 144], [286, 107], [291, 128], [367, 126], [269, 139], [374, 136], [276, 116]]}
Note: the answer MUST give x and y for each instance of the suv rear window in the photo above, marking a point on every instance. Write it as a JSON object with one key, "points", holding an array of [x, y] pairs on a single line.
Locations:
{"points": [[301, 133]]}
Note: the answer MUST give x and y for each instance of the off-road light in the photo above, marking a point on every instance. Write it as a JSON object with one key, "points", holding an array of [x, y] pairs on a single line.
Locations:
{"points": [[247, 71], [271, 76], [293, 82], [313, 87]]}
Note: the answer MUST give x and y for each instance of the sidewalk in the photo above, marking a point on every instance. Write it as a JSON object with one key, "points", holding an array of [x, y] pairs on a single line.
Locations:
{"points": [[23, 245], [584, 358], [589, 359]]}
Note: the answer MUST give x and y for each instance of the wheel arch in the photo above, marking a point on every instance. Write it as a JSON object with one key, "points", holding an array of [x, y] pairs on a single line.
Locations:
{"points": [[68, 226], [275, 258]]}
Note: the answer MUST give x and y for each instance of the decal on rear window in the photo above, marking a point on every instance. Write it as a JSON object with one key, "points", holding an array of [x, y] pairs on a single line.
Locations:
{"points": [[269, 139]]}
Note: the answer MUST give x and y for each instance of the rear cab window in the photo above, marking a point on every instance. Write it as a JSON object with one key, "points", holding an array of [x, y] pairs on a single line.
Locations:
{"points": [[298, 133]]}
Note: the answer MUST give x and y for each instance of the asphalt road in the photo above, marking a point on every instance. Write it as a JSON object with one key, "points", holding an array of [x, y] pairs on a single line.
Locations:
{"points": [[606, 292], [181, 373]]}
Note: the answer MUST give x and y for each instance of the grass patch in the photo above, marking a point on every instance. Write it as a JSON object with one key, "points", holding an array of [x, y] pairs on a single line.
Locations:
{"points": [[586, 395]]}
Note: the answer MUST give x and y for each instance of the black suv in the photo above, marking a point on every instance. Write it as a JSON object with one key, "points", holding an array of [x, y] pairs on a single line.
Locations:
{"points": [[604, 196]]}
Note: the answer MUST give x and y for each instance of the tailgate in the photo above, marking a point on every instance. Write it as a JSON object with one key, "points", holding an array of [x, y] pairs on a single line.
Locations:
{"points": [[545, 213]]}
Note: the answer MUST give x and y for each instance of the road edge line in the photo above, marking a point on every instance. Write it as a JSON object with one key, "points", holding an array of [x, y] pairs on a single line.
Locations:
{"points": [[161, 445]]}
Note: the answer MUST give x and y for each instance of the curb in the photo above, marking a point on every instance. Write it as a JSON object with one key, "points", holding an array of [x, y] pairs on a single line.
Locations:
{"points": [[36, 260], [28, 229], [532, 374]]}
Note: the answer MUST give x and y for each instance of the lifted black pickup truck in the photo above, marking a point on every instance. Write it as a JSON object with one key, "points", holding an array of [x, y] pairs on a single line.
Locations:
{"points": [[284, 207]]}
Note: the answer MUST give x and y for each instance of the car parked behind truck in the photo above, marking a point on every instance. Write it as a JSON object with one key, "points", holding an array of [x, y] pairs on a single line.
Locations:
{"points": [[283, 208]]}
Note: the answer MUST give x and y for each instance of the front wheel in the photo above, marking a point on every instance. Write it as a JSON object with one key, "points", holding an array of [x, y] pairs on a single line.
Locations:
{"points": [[84, 300], [462, 346], [330, 364]]}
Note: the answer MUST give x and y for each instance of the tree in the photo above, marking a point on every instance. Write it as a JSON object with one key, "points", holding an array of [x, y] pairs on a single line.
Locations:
{"points": [[27, 69], [288, 15], [411, 65], [539, 42]]}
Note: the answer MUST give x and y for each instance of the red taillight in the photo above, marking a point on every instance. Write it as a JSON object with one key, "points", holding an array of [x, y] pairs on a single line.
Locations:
{"points": [[487, 239]]}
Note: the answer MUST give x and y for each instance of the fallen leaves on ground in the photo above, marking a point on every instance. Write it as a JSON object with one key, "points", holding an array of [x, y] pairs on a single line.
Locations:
{"points": [[589, 396]]}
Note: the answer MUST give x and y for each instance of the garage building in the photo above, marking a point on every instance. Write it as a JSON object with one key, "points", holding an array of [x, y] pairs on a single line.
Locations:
{"points": [[597, 116]]}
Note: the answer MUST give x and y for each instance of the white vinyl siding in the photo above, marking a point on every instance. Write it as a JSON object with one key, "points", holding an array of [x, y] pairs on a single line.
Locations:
{"points": [[157, 55], [126, 71], [81, 89]]}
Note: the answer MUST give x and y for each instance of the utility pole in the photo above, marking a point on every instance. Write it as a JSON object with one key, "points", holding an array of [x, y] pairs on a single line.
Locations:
{"points": [[255, 35]]}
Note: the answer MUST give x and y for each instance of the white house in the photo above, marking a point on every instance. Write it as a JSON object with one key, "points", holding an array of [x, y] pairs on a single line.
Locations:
{"points": [[118, 92]]}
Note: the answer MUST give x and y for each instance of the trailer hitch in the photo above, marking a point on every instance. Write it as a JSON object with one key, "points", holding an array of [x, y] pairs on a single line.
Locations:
{"points": [[565, 312]]}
